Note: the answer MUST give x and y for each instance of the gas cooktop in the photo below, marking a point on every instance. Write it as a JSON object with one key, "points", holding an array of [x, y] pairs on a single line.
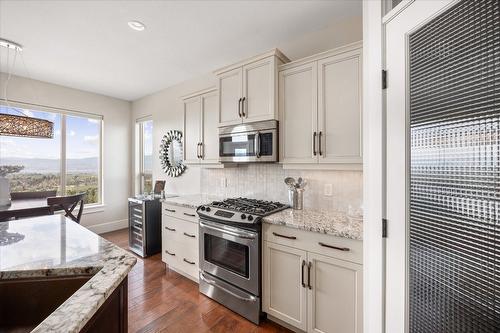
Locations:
{"points": [[240, 210]]}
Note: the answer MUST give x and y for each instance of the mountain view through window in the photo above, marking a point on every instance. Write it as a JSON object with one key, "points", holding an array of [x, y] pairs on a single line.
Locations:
{"points": [[46, 165]]}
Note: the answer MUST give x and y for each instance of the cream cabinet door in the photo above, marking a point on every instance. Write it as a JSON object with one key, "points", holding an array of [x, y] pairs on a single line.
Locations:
{"points": [[210, 132], [298, 114], [284, 295], [229, 85], [192, 128], [335, 298], [259, 89], [339, 108]]}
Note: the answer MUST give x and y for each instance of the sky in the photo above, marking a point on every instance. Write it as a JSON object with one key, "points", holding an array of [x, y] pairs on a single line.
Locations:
{"points": [[82, 140]]}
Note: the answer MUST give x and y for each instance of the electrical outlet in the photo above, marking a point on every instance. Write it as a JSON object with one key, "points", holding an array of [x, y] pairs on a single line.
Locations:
{"points": [[223, 182], [328, 190]]}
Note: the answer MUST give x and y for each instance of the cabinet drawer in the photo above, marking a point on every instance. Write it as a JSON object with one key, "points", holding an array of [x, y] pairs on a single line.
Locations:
{"points": [[328, 245], [179, 230], [188, 214]]}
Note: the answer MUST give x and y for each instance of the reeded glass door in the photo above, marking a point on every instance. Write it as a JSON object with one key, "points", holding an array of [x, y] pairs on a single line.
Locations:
{"points": [[443, 158]]}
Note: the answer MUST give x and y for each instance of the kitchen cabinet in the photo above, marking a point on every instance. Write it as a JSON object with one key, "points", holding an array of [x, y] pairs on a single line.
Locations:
{"points": [[247, 90], [284, 296], [180, 240], [201, 140], [312, 281], [320, 110]]}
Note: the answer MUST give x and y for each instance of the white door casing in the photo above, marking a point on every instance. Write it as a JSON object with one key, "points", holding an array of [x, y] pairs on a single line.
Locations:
{"points": [[396, 53]]}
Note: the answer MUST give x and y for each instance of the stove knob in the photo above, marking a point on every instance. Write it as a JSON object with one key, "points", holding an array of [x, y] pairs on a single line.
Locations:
{"points": [[208, 209], [243, 216], [203, 208], [250, 217]]}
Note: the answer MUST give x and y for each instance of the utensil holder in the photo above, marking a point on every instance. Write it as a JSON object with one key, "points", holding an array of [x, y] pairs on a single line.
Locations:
{"points": [[296, 198]]}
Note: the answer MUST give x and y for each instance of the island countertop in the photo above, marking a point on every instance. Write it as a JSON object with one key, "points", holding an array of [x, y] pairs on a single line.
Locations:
{"points": [[54, 246]]}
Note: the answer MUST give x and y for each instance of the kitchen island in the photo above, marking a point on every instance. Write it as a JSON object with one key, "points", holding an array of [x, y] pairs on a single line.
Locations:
{"points": [[57, 276]]}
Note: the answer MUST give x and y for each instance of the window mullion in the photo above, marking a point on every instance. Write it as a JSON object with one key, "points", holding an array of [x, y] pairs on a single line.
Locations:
{"points": [[63, 154]]}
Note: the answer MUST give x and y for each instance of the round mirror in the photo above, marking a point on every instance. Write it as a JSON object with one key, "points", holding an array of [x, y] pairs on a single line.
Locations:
{"points": [[171, 154]]}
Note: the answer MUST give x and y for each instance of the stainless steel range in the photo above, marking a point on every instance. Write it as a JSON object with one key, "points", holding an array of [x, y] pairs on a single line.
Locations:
{"points": [[230, 253]]}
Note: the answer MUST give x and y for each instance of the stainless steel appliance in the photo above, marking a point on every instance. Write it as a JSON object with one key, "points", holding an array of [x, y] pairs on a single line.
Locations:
{"points": [[230, 253], [144, 224], [254, 142]]}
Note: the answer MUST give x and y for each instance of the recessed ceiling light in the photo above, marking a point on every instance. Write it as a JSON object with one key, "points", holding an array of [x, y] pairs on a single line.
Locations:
{"points": [[136, 25]]}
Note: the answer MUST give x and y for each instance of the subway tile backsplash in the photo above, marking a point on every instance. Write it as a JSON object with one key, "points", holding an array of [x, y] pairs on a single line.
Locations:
{"points": [[266, 181]]}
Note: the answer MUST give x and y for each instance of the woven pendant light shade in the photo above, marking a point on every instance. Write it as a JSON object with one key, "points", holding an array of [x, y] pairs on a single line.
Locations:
{"points": [[13, 125]]}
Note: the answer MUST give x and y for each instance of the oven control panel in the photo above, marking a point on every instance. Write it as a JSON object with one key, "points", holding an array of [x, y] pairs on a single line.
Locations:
{"points": [[226, 215]]}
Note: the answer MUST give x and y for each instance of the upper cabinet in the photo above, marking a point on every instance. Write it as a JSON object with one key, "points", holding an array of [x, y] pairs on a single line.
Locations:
{"points": [[201, 140], [247, 90], [320, 110]]}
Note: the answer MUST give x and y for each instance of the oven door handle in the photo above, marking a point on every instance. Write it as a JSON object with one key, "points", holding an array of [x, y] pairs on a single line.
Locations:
{"points": [[238, 234], [214, 284]]}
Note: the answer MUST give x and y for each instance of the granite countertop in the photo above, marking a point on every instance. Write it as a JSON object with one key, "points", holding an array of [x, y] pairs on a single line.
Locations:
{"points": [[54, 246], [191, 200], [327, 222]]}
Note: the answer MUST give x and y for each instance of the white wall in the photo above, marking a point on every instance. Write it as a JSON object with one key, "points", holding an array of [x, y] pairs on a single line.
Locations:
{"points": [[166, 106], [117, 150]]}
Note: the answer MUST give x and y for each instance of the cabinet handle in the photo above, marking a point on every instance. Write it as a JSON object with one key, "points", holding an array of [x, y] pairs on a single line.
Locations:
{"points": [[243, 106], [309, 266], [169, 253], [314, 143], [198, 150], [170, 229], [302, 273], [239, 107], [319, 143], [334, 247], [189, 262], [189, 235], [202, 150], [170, 210], [284, 236], [187, 214]]}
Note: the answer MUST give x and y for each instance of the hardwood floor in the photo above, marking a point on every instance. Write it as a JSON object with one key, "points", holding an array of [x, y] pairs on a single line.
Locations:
{"points": [[161, 300]]}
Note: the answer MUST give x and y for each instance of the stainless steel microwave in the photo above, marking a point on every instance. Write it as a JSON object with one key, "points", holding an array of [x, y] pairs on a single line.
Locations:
{"points": [[253, 142]]}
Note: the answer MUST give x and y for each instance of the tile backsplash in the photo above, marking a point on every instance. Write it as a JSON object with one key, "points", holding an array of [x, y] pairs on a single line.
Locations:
{"points": [[266, 181]]}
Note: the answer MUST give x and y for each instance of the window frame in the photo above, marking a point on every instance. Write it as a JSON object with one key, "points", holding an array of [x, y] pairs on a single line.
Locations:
{"points": [[62, 168], [139, 158]]}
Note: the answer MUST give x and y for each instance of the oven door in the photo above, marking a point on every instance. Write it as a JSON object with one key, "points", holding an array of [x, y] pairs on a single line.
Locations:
{"points": [[253, 146], [231, 254]]}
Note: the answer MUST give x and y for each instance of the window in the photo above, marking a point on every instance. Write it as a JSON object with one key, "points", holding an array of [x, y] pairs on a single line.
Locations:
{"points": [[145, 155], [67, 164]]}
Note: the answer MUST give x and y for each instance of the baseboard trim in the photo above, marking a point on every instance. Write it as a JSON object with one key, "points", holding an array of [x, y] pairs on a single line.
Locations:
{"points": [[286, 325], [108, 226]]}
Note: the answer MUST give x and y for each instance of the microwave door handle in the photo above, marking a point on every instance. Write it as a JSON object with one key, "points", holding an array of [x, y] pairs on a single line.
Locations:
{"points": [[257, 145]]}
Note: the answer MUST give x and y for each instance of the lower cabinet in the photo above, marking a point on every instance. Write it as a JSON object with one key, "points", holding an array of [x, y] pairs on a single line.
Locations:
{"points": [[285, 296], [180, 240], [310, 291]]}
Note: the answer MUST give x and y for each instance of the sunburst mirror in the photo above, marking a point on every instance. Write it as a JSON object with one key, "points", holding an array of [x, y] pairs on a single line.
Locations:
{"points": [[171, 154]]}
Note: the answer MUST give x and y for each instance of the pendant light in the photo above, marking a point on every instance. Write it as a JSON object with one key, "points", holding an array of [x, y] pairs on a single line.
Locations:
{"points": [[21, 125]]}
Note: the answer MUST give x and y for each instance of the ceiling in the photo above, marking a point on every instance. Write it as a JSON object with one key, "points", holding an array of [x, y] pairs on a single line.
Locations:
{"points": [[88, 45]]}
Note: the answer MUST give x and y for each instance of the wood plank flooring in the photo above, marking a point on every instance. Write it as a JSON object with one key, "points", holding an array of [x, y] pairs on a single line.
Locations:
{"points": [[161, 300]]}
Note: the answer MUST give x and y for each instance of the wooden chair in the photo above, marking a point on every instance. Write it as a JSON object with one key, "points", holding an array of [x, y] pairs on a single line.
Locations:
{"points": [[68, 204]]}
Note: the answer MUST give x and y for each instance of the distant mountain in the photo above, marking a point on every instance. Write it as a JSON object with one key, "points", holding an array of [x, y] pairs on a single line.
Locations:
{"points": [[46, 165]]}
